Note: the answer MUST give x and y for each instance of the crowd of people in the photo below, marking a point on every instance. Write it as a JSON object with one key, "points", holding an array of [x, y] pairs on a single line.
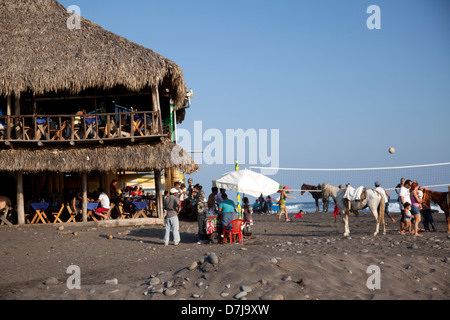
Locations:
{"points": [[180, 200], [413, 208], [184, 201]]}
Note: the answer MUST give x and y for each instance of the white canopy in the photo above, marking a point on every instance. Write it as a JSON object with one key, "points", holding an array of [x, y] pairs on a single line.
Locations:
{"points": [[247, 182]]}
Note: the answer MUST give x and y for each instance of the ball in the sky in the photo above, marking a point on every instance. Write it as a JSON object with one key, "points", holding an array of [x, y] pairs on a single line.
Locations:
{"points": [[391, 150]]}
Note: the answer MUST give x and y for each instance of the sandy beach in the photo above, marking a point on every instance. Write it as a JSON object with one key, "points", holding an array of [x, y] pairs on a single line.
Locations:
{"points": [[306, 259]]}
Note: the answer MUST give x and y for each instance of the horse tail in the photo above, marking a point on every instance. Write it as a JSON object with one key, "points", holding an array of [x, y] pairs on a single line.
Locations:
{"points": [[381, 208]]}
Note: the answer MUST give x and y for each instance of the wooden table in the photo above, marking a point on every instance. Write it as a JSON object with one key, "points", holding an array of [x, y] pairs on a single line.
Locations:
{"points": [[4, 216], [39, 209], [92, 206]]}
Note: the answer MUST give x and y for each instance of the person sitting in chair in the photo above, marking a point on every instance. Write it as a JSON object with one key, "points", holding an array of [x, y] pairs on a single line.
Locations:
{"points": [[105, 204], [226, 210]]}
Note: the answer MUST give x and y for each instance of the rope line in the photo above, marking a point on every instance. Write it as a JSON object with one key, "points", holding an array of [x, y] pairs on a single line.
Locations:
{"points": [[355, 169]]}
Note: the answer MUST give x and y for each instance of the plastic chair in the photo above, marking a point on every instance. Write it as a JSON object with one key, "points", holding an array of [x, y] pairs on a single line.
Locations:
{"points": [[236, 229]]}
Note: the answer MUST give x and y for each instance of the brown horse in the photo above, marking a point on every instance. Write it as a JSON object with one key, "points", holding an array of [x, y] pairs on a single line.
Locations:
{"points": [[317, 194], [442, 200]]}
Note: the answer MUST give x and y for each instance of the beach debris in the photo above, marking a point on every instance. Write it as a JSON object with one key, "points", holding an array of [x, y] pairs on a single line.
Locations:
{"points": [[112, 281], [52, 281], [110, 237], [240, 294], [246, 288], [155, 281], [157, 290], [170, 292], [287, 278], [446, 260], [300, 282], [272, 296], [224, 294], [193, 266], [213, 259], [61, 228]]}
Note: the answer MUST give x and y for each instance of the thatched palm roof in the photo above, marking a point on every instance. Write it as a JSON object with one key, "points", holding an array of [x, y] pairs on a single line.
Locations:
{"points": [[161, 156], [39, 53]]}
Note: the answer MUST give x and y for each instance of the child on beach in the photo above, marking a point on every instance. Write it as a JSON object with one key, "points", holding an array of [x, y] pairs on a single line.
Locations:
{"points": [[282, 203], [408, 218]]}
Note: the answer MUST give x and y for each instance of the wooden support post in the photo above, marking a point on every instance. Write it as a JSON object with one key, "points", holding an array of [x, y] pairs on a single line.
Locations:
{"points": [[159, 197], [20, 199], [8, 105], [17, 113], [84, 191], [157, 107], [61, 181]]}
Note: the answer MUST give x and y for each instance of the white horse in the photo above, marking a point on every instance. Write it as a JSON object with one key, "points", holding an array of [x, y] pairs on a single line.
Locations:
{"points": [[374, 200]]}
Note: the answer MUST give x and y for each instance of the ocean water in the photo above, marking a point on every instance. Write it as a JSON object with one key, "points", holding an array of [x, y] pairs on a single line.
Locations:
{"points": [[295, 207]]}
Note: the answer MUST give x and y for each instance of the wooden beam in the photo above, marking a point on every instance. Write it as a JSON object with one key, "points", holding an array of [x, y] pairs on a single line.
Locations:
{"points": [[8, 105], [129, 222], [17, 113], [155, 99], [159, 196], [20, 199]]}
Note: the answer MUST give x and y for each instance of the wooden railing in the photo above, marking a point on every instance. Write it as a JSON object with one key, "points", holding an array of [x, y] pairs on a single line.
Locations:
{"points": [[80, 128]]}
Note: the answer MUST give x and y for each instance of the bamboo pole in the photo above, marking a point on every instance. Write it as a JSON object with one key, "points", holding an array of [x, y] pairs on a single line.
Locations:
{"points": [[20, 199], [158, 191], [17, 113]]}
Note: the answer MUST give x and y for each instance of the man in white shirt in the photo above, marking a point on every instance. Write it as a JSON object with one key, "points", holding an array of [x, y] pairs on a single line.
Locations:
{"points": [[218, 197], [404, 197], [105, 204], [387, 198]]}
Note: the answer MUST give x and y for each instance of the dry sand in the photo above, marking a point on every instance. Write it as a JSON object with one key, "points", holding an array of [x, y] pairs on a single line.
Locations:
{"points": [[304, 259]]}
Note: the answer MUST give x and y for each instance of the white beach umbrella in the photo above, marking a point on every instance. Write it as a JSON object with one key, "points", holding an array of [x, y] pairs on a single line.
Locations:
{"points": [[247, 182]]}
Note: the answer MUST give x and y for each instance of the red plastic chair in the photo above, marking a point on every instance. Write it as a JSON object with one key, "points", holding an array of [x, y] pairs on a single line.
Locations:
{"points": [[236, 229]]}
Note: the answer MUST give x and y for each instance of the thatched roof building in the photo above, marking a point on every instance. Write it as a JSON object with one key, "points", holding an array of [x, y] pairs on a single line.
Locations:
{"points": [[40, 54], [108, 159], [46, 66]]}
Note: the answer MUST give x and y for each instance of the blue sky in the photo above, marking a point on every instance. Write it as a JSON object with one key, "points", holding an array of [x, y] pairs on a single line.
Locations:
{"points": [[339, 93]]}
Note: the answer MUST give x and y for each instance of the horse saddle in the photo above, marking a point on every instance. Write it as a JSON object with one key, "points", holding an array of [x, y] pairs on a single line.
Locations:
{"points": [[353, 194]]}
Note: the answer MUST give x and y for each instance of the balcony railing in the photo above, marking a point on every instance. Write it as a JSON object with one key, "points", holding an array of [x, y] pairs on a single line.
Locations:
{"points": [[44, 129]]}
